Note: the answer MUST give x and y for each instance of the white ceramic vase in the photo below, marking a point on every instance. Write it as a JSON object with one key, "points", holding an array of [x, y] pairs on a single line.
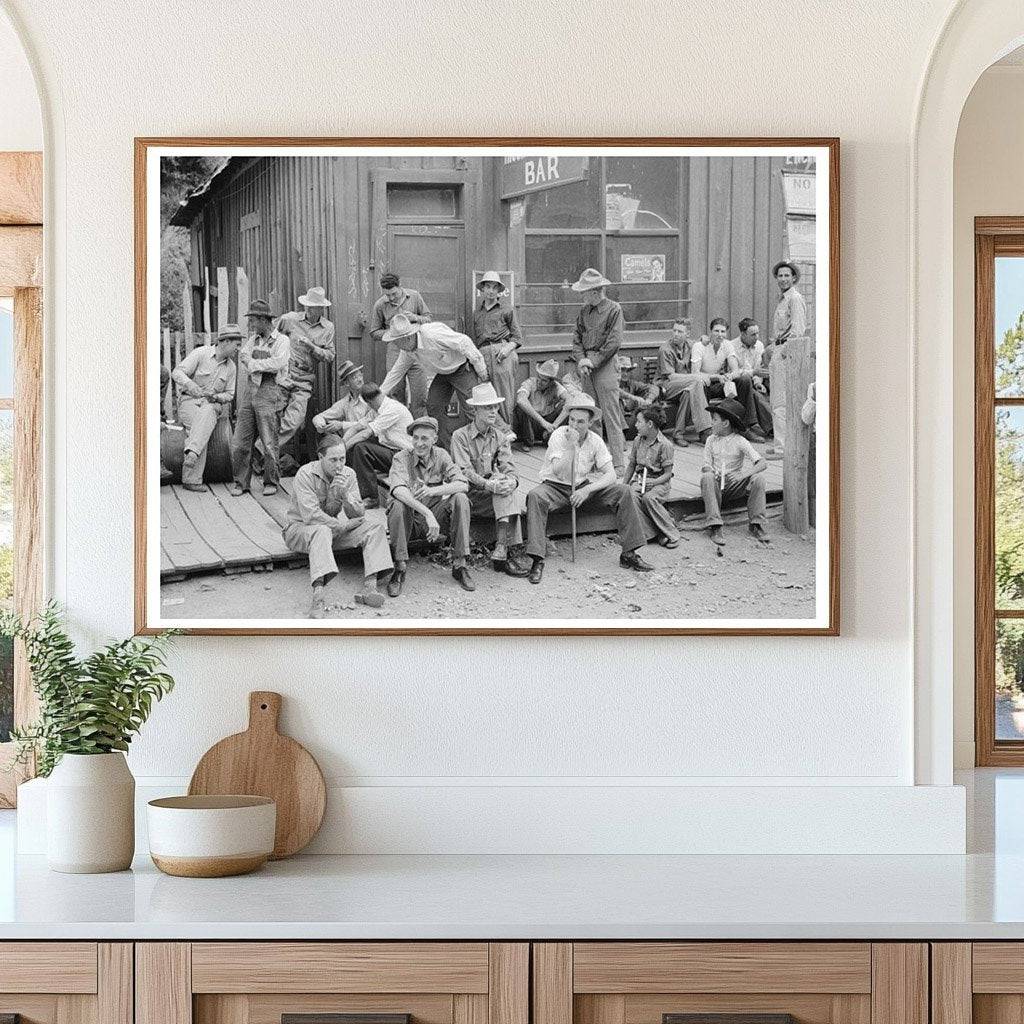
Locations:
{"points": [[90, 814]]}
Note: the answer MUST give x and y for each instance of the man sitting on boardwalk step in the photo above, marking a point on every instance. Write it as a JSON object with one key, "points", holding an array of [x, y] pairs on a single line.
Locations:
{"points": [[351, 409], [483, 454], [206, 388], [722, 476], [539, 403], [679, 383], [428, 497], [325, 515], [596, 483], [372, 444]]}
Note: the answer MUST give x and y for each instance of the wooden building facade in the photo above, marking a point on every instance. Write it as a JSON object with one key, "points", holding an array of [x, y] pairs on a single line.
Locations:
{"points": [[694, 237]]}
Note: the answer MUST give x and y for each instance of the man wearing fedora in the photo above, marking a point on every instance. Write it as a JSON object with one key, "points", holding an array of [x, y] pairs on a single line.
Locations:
{"points": [[596, 483], [350, 410], [206, 388], [724, 475], [450, 358], [394, 300], [311, 336], [598, 336], [428, 498], [483, 454], [539, 403], [325, 515], [634, 394], [372, 444], [789, 321], [497, 335], [263, 361]]}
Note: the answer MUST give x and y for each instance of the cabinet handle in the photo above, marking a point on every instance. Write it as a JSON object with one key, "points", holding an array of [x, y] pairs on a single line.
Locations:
{"points": [[728, 1018], [337, 1018]]}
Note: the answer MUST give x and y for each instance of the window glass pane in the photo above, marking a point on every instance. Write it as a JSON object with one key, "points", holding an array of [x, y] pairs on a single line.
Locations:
{"points": [[645, 266], [576, 205], [410, 201], [1009, 319], [553, 262], [6, 566], [1009, 493], [6, 350], [641, 193], [1009, 679]]}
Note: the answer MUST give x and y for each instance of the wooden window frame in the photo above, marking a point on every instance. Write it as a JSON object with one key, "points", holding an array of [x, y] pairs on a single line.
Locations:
{"points": [[21, 272], [993, 236]]}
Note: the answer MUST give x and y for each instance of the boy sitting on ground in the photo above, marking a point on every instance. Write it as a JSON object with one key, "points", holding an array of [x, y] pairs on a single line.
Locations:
{"points": [[723, 477]]}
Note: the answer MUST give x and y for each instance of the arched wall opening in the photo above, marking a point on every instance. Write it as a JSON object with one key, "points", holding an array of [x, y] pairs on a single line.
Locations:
{"points": [[976, 34]]}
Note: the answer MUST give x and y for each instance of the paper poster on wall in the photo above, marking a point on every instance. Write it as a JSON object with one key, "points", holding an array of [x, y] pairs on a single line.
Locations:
{"points": [[374, 435], [639, 267]]}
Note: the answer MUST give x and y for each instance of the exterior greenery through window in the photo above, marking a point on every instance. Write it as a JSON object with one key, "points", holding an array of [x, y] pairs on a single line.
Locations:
{"points": [[6, 512]]}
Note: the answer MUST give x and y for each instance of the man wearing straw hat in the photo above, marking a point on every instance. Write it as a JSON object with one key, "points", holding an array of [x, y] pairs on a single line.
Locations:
{"points": [[539, 403], [596, 483], [206, 388], [483, 454], [351, 409], [311, 336], [599, 328], [498, 337], [325, 515], [451, 358]]}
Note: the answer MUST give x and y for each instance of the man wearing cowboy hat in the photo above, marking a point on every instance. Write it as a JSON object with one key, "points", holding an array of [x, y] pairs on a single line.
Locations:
{"points": [[428, 497], [723, 477], [372, 444], [596, 483], [263, 358], [396, 299], [483, 454], [325, 515], [634, 394], [539, 402], [348, 411], [789, 321], [206, 389], [451, 358], [312, 342], [497, 335], [598, 336]]}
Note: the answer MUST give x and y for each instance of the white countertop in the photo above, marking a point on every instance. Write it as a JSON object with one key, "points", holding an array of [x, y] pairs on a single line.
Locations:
{"points": [[532, 897]]}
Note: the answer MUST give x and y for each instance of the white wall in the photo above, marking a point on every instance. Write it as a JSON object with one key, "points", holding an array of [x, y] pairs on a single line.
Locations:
{"points": [[444, 715], [988, 181], [21, 123]]}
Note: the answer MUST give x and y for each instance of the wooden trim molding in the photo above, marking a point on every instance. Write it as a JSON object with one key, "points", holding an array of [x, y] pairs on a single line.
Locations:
{"points": [[899, 983], [163, 983], [951, 983], [552, 983], [21, 258], [508, 983], [66, 967]]}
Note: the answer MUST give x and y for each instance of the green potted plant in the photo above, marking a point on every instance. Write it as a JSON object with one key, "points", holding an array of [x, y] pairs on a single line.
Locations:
{"points": [[89, 710]]}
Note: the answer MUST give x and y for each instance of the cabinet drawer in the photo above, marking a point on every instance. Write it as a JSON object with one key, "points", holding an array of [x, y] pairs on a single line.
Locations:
{"points": [[48, 967]]}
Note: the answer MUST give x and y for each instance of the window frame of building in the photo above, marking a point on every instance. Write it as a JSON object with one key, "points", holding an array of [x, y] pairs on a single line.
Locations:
{"points": [[21, 261], [994, 237]]}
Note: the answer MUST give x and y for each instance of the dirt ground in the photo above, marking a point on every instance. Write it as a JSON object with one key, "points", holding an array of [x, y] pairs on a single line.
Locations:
{"points": [[747, 581]]}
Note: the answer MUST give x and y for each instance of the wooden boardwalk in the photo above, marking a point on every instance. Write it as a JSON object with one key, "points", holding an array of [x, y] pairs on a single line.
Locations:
{"points": [[211, 531]]}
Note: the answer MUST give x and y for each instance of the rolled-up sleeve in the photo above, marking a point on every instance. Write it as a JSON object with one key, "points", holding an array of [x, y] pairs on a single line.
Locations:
{"points": [[472, 354], [452, 473], [399, 476], [277, 360], [186, 369]]}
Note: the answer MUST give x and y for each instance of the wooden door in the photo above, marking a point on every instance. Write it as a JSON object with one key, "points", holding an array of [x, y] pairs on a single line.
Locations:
{"points": [[63, 982], [267, 982], [745, 982], [431, 259]]}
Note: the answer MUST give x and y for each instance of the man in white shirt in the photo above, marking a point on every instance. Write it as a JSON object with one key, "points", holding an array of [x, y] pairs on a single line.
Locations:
{"points": [[263, 368], [372, 444], [596, 482], [712, 360], [351, 409], [449, 357], [206, 388], [749, 378]]}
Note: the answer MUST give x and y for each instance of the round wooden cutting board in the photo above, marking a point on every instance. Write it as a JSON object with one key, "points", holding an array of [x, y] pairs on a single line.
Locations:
{"points": [[262, 762]]}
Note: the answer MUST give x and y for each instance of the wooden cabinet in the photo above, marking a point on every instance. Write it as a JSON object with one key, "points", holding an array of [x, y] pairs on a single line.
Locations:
{"points": [[979, 982], [259, 982], [66, 982], [815, 982]]}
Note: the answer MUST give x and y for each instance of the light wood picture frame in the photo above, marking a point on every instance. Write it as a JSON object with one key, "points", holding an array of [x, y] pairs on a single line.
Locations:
{"points": [[363, 206]]}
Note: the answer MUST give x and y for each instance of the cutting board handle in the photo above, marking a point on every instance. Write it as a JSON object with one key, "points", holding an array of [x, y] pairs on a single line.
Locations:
{"points": [[264, 710]]}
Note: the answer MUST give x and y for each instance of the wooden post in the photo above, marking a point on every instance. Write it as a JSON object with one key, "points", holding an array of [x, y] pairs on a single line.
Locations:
{"points": [[186, 308], [206, 298], [797, 365], [223, 297], [169, 396], [242, 279]]}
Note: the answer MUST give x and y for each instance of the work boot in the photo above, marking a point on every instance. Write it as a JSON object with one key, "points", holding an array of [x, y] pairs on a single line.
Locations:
{"points": [[760, 533], [633, 561], [371, 598], [236, 490], [395, 583], [537, 571], [510, 567], [461, 576], [193, 487], [717, 536]]}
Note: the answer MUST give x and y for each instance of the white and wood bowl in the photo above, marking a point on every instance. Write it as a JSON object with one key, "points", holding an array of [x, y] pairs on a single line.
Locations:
{"points": [[211, 836]]}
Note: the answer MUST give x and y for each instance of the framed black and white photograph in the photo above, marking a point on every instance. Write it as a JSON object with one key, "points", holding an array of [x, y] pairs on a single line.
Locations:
{"points": [[487, 386]]}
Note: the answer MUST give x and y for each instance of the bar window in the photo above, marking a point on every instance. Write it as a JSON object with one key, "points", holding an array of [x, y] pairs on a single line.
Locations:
{"points": [[642, 193]]}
